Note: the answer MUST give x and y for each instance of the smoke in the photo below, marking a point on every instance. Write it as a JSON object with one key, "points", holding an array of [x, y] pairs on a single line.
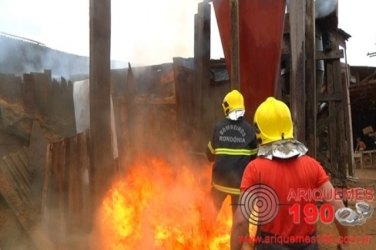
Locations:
{"points": [[322, 7], [19, 56], [325, 7], [168, 30]]}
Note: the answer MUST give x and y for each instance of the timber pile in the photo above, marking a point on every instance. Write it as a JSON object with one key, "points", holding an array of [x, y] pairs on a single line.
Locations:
{"points": [[15, 189]]}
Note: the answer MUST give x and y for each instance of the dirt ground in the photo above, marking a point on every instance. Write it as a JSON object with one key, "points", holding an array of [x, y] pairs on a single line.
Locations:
{"points": [[362, 237]]}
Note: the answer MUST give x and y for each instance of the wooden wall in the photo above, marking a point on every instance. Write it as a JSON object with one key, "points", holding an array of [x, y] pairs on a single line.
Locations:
{"points": [[38, 114]]}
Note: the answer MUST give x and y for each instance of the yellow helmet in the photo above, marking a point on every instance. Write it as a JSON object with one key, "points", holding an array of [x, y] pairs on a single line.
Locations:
{"points": [[233, 101], [273, 121]]}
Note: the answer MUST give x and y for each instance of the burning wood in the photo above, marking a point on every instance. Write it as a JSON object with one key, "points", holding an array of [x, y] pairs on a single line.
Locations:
{"points": [[158, 205]]}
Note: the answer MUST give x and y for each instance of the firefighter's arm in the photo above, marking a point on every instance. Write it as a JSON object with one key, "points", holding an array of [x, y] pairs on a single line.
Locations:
{"points": [[240, 227], [337, 204]]}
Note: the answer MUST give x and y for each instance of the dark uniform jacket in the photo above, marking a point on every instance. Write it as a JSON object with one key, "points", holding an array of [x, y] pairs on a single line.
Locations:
{"points": [[232, 146]]}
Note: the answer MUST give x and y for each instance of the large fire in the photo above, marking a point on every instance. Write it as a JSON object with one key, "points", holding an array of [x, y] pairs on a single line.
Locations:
{"points": [[160, 205]]}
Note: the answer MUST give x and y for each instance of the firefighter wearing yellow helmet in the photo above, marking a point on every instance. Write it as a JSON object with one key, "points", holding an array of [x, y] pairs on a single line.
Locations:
{"points": [[281, 169], [233, 144], [233, 101], [273, 121]]}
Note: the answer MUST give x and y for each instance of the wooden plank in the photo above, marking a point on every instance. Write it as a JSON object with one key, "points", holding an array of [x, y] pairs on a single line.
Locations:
{"points": [[197, 99], [310, 79], [43, 98], [348, 120], [65, 181], [329, 97], [204, 78], [61, 118], [73, 187], [235, 69], [21, 158], [100, 105], [332, 126], [196, 67], [46, 181], [20, 168], [41, 87], [16, 181], [297, 11], [28, 95], [184, 97], [84, 166], [342, 160], [23, 213], [56, 195], [37, 159], [329, 55], [202, 65], [19, 206], [11, 88]]}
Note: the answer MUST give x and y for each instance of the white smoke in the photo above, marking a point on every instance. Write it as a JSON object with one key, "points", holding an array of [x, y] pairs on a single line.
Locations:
{"points": [[322, 7], [325, 7]]}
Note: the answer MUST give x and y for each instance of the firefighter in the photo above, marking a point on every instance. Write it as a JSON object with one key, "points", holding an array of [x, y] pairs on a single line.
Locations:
{"points": [[280, 170], [232, 146]]}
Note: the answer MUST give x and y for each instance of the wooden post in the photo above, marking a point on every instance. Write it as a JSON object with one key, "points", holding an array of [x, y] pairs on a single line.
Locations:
{"points": [[297, 10], [202, 66], [340, 106], [235, 67], [310, 77], [102, 163], [348, 119]]}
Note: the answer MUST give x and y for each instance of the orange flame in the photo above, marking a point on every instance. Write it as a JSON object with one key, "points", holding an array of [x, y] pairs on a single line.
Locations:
{"points": [[157, 206]]}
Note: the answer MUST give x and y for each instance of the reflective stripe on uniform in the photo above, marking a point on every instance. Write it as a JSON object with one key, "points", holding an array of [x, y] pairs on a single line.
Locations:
{"points": [[227, 190], [210, 147], [230, 151]]}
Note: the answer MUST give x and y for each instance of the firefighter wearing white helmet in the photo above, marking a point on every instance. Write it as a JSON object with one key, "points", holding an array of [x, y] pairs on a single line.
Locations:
{"points": [[280, 170], [233, 144]]}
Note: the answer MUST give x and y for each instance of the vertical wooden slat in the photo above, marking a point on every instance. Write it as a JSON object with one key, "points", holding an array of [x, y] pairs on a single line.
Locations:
{"points": [[73, 190], [56, 197], [184, 98], [46, 182], [340, 121], [297, 10], [37, 158], [348, 119], [197, 73], [332, 126], [202, 67], [310, 78], [84, 181], [235, 61], [28, 95], [100, 90]]}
